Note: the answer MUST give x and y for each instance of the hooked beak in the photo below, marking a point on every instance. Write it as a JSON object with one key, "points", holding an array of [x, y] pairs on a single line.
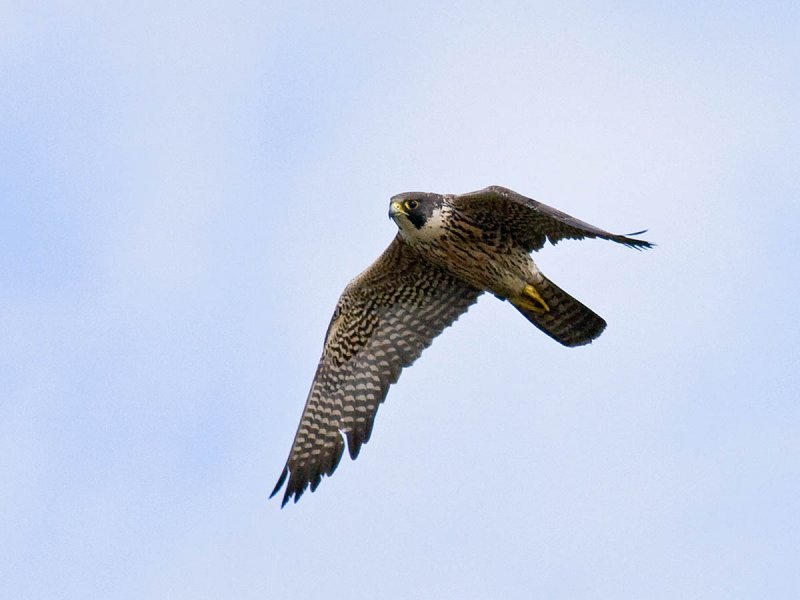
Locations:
{"points": [[396, 209]]}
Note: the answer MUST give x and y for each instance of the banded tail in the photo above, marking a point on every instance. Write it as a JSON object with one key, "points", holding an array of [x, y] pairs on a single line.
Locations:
{"points": [[562, 317]]}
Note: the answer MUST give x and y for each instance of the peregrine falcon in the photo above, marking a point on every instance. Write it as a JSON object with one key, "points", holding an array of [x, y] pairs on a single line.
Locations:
{"points": [[449, 250]]}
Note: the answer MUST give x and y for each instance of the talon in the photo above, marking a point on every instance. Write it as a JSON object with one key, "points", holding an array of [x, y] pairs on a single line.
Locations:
{"points": [[533, 301]]}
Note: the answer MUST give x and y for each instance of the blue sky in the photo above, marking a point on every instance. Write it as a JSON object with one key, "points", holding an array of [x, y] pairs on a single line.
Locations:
{"points": [[186, 189]]}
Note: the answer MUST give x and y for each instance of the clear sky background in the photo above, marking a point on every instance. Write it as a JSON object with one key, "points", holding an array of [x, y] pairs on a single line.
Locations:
{"points": [[186, 188]]}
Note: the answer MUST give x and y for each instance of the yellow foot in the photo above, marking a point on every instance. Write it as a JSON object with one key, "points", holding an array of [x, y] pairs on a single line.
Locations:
{"points": [[531, 300]]}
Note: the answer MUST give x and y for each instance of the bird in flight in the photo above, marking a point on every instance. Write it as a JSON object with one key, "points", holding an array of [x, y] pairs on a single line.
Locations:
{"points": [[449, 250]]}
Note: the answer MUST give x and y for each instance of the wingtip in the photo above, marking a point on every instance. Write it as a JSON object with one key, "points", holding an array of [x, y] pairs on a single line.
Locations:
{"points": [[632, 242], [637, 232], [297, 484], [281, 481], [643, 245]]}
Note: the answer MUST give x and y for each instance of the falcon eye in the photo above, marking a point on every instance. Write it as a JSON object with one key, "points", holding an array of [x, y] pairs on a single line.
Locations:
{"points": [[411, 204]]}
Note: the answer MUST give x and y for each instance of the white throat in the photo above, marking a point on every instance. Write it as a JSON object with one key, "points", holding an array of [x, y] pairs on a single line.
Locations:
{"points": [[434, 227]]}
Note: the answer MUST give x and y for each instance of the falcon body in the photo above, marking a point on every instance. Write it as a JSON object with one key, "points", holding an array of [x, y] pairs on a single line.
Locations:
{"points": [[485, 257], [448, 251]]}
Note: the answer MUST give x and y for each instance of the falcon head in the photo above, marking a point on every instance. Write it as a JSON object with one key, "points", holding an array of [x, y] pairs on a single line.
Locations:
{"points": [[417, 214]]}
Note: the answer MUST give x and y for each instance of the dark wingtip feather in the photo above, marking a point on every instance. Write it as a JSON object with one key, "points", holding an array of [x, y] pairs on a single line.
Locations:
{"points": [[315, 477], [354, 440], [281, 481], [338, 450], [297, 493], [298, 482], [632, 242], [309, 476]]}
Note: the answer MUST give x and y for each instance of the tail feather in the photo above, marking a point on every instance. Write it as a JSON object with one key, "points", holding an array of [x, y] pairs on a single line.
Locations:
{"points": [[569, 322]]}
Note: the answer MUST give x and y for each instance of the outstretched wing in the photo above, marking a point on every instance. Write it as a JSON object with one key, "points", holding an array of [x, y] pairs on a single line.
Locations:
{"points": [[528, 222], [383, 321]]}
